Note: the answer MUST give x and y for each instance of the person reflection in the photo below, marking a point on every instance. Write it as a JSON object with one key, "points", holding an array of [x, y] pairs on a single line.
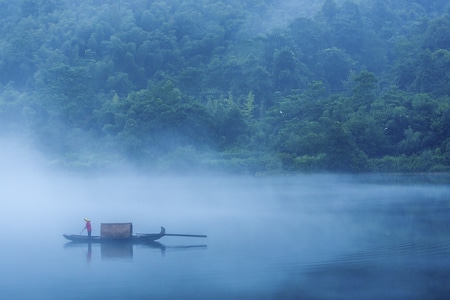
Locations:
{"points": [[89, 253]]}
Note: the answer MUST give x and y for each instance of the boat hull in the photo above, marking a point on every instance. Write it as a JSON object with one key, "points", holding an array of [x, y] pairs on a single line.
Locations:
{"points": [[139, 238], [97, 239]]}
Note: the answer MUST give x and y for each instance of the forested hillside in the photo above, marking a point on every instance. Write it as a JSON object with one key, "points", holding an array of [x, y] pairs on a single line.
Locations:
{"points": [[255, 86]]}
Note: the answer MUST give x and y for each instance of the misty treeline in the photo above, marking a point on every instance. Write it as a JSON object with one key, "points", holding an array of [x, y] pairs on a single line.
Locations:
{"points": [[252, 86]]}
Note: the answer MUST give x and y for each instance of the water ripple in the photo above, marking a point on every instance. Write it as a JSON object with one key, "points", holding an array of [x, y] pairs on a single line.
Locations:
{"points": [[406, 249]]}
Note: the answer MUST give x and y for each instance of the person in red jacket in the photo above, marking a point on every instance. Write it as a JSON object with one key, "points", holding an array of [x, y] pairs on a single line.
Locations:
{"points": [[88, 226]]}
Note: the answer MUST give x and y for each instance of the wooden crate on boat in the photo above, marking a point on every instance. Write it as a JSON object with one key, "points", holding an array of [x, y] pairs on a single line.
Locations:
{"points": [[116, 230]]}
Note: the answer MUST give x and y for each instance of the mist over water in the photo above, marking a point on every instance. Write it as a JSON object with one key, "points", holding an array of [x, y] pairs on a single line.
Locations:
{"points": [[310, 236]]}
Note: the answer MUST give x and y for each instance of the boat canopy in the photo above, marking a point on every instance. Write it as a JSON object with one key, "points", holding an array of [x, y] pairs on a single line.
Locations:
{"points": [[116, 230]]}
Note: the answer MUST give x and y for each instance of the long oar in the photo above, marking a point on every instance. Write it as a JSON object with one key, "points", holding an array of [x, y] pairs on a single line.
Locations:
{"points": [[163, 233], [82, 230], [186, 235]]}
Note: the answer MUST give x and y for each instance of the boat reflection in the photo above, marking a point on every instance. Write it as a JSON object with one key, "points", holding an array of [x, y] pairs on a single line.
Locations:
{"points": [[116, 250], [125, 250]]}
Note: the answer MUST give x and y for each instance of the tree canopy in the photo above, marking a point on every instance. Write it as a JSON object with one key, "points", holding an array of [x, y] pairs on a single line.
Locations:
{"points": [[243, 86]]}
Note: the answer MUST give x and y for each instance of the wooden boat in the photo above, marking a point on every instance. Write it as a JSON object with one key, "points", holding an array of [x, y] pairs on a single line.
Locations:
{"points": [[137, 238]]}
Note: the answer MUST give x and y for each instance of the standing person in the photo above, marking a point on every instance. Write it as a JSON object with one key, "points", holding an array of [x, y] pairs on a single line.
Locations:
{"points": [[88, 226]]}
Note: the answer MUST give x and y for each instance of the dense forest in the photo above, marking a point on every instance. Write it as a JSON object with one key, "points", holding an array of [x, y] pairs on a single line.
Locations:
{"points": [[258, 86]]}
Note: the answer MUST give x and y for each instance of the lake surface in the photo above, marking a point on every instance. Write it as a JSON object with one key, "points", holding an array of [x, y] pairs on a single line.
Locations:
{"points": [[297, 237]]}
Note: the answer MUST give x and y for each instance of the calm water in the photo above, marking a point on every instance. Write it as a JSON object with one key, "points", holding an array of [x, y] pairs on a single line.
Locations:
{"points": [[303, 237]]}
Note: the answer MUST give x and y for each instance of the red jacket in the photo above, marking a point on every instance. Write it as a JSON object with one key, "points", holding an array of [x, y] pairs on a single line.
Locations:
{"points": [[88, 226]]}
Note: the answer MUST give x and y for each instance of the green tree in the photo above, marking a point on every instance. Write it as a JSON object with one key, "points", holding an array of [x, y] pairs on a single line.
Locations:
{"points": [[329, 10], [364, 89], [342, 154], [349, 29], [67, 94], [437, 35], [368, 134], [334, 66], [288, 71]]}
